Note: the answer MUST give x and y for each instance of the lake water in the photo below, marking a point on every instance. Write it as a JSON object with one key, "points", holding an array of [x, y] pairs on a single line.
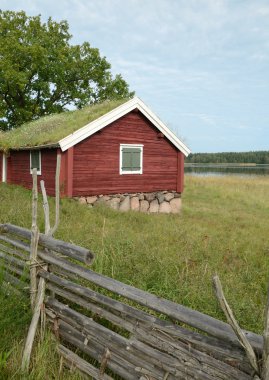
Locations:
{"points": [[221, 170]]}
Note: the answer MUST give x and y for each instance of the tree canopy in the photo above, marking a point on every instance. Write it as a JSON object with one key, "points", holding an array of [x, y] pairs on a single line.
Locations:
{"points": [[42, 73], [257, 157]]}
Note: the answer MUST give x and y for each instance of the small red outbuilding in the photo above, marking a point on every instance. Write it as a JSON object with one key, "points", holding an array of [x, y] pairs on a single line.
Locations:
{"points": [[125, 150]]}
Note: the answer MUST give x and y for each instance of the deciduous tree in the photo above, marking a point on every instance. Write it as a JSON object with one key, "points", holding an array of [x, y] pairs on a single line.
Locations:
{"points": [[41, 72]]}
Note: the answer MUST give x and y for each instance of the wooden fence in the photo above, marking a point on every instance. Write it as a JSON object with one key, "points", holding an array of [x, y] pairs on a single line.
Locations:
{"points": [[110, 330]]}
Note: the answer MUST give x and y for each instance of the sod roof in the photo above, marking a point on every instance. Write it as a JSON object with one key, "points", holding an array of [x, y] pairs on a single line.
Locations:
{"points": [[49, 130]]}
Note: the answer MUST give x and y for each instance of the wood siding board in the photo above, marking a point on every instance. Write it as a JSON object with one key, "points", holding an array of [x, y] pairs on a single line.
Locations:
{"points": [[70, 170], [19, 169], [96, 159]]}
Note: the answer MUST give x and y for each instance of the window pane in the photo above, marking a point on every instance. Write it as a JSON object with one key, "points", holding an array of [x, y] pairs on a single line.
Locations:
{"points": [[35, 160], [136, 160], [126, 160], [131, 158]]}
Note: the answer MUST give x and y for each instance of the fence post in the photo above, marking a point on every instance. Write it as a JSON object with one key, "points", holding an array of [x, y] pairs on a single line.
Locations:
{"points": [[45, 207], [37, 301], [34, 242], [57, 196]]}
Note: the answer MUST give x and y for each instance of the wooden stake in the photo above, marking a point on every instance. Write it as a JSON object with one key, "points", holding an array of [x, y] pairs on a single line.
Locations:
{"points": [[34, 241], [37, 306], [57, 196], [235, 326], [45, 207], [105, 358], [33, 326], [42, 321]]}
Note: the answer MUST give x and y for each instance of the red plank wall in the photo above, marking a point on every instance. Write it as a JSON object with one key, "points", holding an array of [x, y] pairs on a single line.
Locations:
{"points": [[1, 165], [18, 169], [96, 160]]}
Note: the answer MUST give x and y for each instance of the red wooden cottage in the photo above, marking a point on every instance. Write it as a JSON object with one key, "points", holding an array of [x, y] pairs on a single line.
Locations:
{"points": [[110, 148]]}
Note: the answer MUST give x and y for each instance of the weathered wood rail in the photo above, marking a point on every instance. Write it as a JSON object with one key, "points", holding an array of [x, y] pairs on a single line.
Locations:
{"points": [[116, 330]]}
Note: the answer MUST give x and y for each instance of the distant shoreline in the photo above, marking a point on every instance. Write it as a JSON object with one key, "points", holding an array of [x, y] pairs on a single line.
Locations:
{"points": [[221, 165], [228, 159]]}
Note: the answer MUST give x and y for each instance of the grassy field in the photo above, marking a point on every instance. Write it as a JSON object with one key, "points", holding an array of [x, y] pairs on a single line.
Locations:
{"points": [[223, 229]]}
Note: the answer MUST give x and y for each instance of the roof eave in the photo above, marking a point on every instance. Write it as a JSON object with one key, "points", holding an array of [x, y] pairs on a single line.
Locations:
{"points": [[37, 147], [163, 128]]}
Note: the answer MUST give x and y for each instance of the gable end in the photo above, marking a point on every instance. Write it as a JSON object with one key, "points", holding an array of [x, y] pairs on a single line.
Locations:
{"points": [[117, 113]]}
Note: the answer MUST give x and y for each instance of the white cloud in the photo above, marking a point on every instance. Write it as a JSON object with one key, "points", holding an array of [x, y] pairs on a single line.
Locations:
{"points": [[263, 11], [200, 64]]}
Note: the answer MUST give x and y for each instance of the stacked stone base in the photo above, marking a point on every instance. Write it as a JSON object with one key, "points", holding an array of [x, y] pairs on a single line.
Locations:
{"points": [[161, 201]]}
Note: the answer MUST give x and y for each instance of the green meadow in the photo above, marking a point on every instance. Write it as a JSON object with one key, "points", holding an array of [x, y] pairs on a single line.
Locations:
{"points": [[223, 229]]}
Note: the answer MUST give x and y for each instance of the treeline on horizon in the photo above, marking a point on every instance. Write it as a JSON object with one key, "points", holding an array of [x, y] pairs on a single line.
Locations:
{"points": [[259, 157]]}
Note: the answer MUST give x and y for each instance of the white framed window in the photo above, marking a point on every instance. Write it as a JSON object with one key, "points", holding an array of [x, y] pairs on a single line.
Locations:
{"points": [[131, 159], [4, 168], [35, 161]]}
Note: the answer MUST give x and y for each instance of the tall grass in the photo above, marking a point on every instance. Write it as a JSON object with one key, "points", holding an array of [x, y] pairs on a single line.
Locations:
{"points": [[15, 317], [222, 229]]}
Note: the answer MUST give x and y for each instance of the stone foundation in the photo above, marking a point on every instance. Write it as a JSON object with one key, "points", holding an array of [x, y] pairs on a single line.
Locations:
{"points": [[161, 201]]}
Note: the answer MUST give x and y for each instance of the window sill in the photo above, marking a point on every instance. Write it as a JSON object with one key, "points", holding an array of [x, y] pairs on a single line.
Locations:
{"points": [[38, 173], [122, 173]]}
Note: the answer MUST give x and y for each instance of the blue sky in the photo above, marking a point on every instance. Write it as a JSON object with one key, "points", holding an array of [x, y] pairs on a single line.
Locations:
{"points": [[201, 65]]}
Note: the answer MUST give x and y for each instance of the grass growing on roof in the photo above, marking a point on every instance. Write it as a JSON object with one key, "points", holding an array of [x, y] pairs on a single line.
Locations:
{"points": [[51, 129]]}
